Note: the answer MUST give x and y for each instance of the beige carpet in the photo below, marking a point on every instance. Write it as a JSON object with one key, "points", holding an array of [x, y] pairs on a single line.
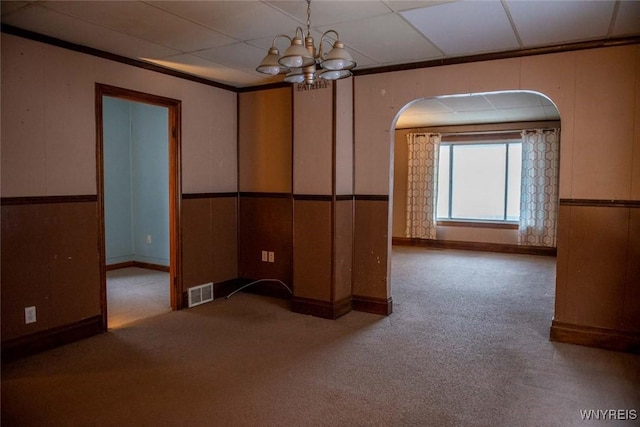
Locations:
{"points": [[136, 293], [467, 344]]}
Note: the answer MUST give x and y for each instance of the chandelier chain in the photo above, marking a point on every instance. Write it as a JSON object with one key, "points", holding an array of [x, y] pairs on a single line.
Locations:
{"points": [[308, 18]]}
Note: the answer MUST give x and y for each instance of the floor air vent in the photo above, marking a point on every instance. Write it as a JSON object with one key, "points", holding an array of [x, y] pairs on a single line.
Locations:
{"points": [[200, 294]]}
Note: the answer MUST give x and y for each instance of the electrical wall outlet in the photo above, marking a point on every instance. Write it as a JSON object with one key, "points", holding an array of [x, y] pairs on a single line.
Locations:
{"points": [[148, 239], [30, 314], [265, 256], [272, 257]]}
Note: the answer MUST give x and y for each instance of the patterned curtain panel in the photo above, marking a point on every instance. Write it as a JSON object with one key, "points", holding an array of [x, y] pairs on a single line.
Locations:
{"points": [[422, 185], [539, 191]]}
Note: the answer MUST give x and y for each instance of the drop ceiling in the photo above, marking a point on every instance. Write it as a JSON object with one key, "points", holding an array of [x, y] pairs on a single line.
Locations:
{"points": [[498, 107], [223, 41]]}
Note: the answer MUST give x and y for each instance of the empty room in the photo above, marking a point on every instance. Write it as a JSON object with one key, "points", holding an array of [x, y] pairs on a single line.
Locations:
{"points": [[369, 212]]}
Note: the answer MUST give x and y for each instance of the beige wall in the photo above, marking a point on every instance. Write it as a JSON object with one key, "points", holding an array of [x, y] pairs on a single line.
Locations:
{"points": [[595, 91], [48, 121], [49, 149], [313, 129], [344, 136], [264, 141]]}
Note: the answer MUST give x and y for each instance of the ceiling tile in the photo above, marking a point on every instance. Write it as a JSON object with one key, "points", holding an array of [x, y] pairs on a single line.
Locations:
{"points": [[465, 27], [523, 114], [239, 55], [486, 116], [425, 111], [546, 101], [201, 67], [514, 99], [405, 122], [327, 12], [426, 106], [7, 7], [627, 19], [466, 103], [54, 24], [242, 20], [400, 5], [388, 40], [452, 119], [469, 109], [551, 112], [548, 22], [144, 21]]}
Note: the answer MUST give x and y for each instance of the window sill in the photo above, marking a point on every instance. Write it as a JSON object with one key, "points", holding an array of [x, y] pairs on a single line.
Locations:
{"points": [[503, 225]]}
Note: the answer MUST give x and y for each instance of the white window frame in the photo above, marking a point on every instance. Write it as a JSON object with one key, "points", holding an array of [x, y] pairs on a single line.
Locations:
{"points": [[449, 220]]}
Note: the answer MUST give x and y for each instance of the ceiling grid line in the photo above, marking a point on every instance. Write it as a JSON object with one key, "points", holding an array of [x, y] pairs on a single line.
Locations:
{"points": [[614, 16], [106, 27], [513, 24], [194, 23]]}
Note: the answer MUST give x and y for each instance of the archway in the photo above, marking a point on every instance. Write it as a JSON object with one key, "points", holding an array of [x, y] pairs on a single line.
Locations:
{"points": [[482, 122]]}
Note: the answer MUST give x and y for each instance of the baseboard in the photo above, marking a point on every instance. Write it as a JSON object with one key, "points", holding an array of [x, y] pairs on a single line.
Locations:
{"points": [[44, 340], [222, 289], [119, 265], [383, 306], [138, 264], [318, 308], [475, 246], [608, 339]]}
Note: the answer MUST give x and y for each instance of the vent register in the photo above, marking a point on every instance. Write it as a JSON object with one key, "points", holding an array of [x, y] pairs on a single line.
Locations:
{"points": [[200, 294]]}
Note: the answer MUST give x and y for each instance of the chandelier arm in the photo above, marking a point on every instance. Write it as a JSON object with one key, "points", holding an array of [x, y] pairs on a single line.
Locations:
{"points": [[279, 36], [322, 39], [330, 31]]}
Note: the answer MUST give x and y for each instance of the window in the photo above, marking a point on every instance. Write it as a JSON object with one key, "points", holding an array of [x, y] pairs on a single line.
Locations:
{"points": [[479, 181]]}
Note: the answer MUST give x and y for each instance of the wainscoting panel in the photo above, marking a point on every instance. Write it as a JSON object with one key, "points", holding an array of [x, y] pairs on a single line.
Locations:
{"points": [[598, 274], [631, 313], [371, 247], [596, 266], [25, 269], [74, 263], [312, 252], [197, 239], [224, 228], [266, 224], [343, 249], [209, 240], [50, 261], [562, 261]]}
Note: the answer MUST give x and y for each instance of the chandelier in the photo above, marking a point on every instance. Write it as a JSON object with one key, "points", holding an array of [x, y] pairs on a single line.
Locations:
{"points": [[303, 63]]}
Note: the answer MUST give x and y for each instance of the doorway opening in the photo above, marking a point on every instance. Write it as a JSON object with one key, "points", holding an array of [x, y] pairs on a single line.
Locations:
{"points": [[483, 131], [452, 127], [139, 203]]}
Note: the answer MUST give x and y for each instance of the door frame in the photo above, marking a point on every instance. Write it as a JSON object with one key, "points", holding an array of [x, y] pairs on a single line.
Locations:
{"points": [[175, 187]]}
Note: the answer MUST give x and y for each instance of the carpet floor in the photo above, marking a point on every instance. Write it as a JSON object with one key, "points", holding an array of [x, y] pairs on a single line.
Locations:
{"points": [[467, 344], [136, 293]]}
